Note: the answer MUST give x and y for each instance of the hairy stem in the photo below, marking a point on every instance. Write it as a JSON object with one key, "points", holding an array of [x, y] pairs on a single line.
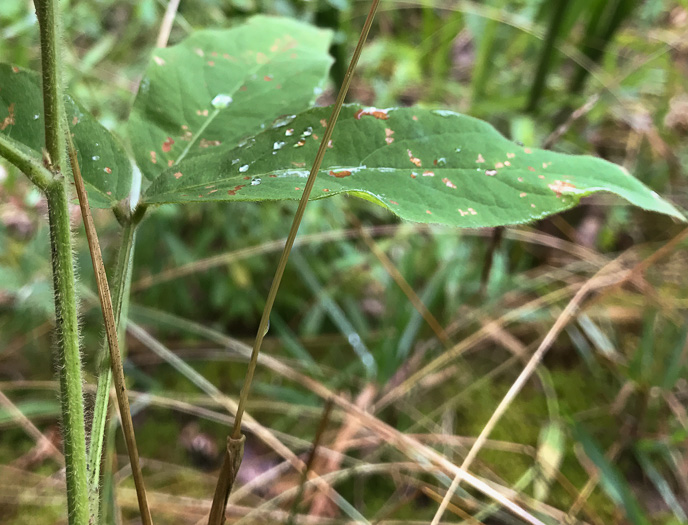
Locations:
{"points": [[64, 280], [100, 410], [68, 359], [26, 161], [47, 12]]}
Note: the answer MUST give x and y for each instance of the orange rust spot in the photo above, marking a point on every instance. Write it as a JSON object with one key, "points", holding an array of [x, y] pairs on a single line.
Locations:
{"points": [[428, 212], [167, 145], [520, 179], [428, 174], [75, 120], [510, 155], [527, 150], [507, 163], [108, 170], [169, 163], [325, 190], [532, 205], [15, 69], [559, 186], [154, 156], [297, 188], [272, 176], [323, 122], [267, 78], [480, 159], [340, 174], [243, 88], [541, 176], [394, 202], [449, 183], [211, 63], [523, 194], [298, 164], [530, 168], [212, 191], [236, 188], [315, 137], [499, 165], [414, 117], [413, 159], [246, 177], [413, 175], [377, 113], [9, 119], [208, 143], [177, 174]]}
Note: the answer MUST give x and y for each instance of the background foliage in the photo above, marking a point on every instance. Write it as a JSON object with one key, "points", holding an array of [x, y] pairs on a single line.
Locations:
{"points": [[609, 406]]}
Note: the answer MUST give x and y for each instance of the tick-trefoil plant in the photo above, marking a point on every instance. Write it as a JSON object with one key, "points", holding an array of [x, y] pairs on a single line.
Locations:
{"points": [[228, 115]]}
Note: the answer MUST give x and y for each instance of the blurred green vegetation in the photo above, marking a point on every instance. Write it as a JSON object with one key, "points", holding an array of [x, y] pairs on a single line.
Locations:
{"points": [[614, 73]]}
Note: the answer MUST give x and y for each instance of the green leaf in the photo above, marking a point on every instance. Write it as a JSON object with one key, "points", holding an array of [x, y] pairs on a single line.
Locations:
{"points": [[424, 165], [550, 453], [219, 86], [611, 480], [105, 168]]}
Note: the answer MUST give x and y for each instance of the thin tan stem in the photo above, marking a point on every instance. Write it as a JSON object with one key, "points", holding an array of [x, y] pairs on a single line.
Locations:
{"points": [[219, 500], [167, 22], [402, 283], [111, 333], [30, 428], [602, 279]]}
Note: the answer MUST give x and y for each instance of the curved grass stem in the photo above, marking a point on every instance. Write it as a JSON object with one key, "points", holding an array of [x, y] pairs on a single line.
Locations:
{"points": [[226, 479]]}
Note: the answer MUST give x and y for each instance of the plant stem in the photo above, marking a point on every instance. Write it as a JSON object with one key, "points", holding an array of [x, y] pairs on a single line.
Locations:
{"points": [[16, 153], [64, 280], [553, 31], [229, 462], [48, 15], [68, 359], [111, 333], [100, 410]]}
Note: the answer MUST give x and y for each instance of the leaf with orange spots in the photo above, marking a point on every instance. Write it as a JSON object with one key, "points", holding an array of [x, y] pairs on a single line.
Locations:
{"points": [[105, 168], [442, 167], [220, 86]]}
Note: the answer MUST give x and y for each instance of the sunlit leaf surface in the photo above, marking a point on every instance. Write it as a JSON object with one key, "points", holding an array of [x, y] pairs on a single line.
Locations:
{"points": [[105, 168], [424, 165], [219, 86]]}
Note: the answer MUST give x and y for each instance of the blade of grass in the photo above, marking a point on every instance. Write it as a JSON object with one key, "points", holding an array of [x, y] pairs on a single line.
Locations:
{"points": [[224, 485], [336, 314], [553, 33], [100, 408]]}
